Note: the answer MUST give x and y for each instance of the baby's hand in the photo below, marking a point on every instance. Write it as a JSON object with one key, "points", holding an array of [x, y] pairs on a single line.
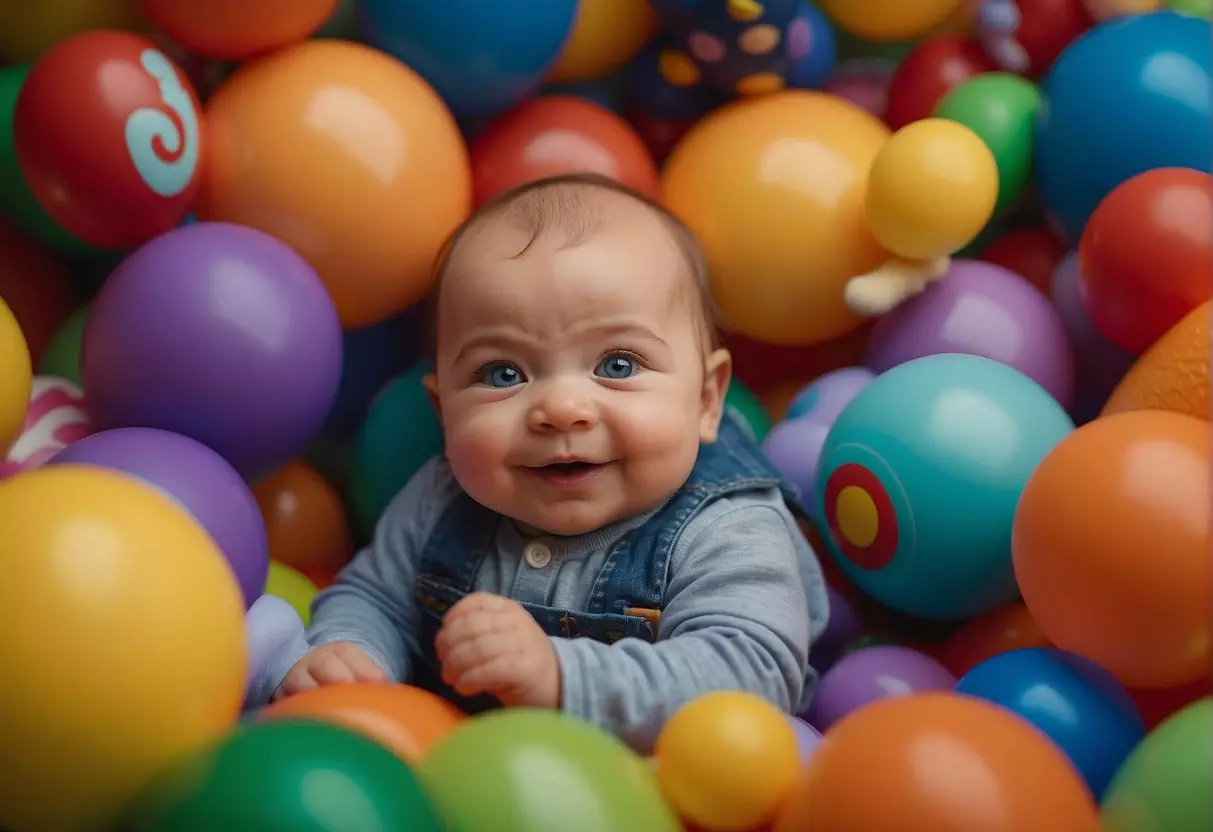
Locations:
{"points": [[332, 664], [490, 644]]}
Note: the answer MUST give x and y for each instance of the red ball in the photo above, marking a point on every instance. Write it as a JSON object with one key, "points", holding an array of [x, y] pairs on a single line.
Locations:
{"points": [[556, 134], [1046, 28], [1145, 255], [107, 130], [658, 135], [1032, 253], [925, 75]]}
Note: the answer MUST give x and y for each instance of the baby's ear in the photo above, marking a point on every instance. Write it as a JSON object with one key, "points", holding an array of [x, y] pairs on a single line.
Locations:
{"points": [[718, 369], [430, 380]]}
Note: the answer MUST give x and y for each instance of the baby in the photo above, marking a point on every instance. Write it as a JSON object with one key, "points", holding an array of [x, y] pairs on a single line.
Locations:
{"points": [[597, 538]]}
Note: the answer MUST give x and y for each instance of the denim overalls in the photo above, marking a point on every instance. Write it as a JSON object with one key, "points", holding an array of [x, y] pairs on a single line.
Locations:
{"points": [[629, 591]]}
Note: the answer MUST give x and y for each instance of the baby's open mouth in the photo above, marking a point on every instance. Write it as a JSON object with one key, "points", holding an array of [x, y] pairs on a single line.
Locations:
{"points": [[574, 467]]}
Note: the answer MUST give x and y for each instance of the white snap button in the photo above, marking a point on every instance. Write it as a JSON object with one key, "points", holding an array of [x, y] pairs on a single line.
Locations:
{"points": [[537, 555]]}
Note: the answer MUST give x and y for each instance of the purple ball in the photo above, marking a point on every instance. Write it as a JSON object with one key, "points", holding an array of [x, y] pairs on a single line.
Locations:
{"points": [[980, 309], [826, 396], [220, 333], [195, 478], [1100, 363], [872, 674], [794, 448], [269, 626], [843, 627]]}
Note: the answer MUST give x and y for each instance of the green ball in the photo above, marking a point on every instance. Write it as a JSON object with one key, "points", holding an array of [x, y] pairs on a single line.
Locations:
{"points": [[745, 407], [400, 433], [17, 201], [1166, 784], [1193, 8], [526, 770], [287, 774], [1001, 109], [62, 355]]}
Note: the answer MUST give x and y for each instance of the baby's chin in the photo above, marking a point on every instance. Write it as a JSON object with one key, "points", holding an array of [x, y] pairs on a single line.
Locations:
{"points": [[565, 520]]}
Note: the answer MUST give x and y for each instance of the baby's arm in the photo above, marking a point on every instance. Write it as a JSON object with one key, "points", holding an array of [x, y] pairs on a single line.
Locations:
{"points": [[370, 605], [735, 618]]}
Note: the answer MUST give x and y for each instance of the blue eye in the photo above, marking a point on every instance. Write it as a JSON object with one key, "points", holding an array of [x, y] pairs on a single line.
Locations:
{"points": [[501, 375], [616, 366]]}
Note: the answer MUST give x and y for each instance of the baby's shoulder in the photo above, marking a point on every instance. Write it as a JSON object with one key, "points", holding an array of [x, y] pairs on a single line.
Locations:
{"points": [[741, 518]]}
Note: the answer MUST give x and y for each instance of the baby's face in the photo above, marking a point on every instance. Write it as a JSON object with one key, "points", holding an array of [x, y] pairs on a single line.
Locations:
{"points": [[571, 379]]}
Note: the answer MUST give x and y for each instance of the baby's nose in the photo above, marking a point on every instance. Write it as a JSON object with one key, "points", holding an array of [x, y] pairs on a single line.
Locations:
{"points": [[563, 409]]}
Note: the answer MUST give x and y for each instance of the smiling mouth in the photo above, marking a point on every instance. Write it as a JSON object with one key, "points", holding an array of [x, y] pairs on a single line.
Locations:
{"points": [[568, 473]]}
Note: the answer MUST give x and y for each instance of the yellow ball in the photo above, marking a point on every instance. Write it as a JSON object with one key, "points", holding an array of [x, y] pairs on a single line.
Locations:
{"points": [[292, 586], [605, 36], [931, 190], [726, 761], [123, 645], [774, 187], [889, 20], [16, 379], [30, 27]]}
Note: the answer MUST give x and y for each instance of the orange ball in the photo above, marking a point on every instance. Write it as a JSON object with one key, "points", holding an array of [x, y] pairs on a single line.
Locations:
{"points": [[237, 29], [725, 761], [775, 186], [1173, 374], [557, 134], [940, 762], [404, 719], [305, 522], [1007, 628], [349, 157], [1111, 547]]}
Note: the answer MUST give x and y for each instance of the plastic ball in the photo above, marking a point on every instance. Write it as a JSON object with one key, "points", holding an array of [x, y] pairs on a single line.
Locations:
{"points": [[871, 674], [57, 416], [557, 134], [1101, 10], [1202, 9], [220, 333], [807, 738], [843, 627], [919, 480], [942, 762], [1158, 705], [863, 83], [1165, 782], [404, 719], [482, 56], [292, 774], [62, 354], [1111, 111], [1033, 253], [774, 186], [1145, 255], [980, 309], [829, 394], [370, 357], [744, 407], [794, 448], [139, 171], [401, 433], [1099, 364], [1173, 374], [931, 189], [1026, 36], [305, 522], [35, 285], [30, 29], [932, 68], [289, 156], [999, 631], [160, 640], [1073, 701], [541, 771], [885, 20], [234, 30], [292, 586], [663, 93], [16, 378], [725, 761], [270, 625], [1133, 592], [605, 36], [1001, 109], [198, 480]]}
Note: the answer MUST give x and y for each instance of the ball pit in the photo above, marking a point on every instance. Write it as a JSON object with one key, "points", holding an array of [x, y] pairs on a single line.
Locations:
{"points": [[217, 219]]}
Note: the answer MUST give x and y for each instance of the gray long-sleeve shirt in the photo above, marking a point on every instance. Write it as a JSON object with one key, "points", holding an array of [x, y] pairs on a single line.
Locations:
{"points": [[735, 614]]}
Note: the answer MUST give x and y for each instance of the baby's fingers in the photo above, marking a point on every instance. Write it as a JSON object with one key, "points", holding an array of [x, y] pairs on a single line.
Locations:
{"points": [[331, 669], [362, 666], [494, 676]]}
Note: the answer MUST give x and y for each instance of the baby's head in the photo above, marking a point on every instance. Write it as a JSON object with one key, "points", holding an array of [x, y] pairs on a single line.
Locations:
{"points": [[575, 355]]}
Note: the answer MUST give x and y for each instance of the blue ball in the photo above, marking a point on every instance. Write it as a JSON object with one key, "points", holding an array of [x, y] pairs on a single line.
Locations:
{"points": [[481, 56], [370, 357], [1073, 701], [811, 71], [919, 478], [1130, 95]]}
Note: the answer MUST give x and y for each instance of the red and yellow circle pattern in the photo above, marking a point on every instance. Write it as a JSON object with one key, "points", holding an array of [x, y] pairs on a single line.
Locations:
{"points": [[861, 517]]}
